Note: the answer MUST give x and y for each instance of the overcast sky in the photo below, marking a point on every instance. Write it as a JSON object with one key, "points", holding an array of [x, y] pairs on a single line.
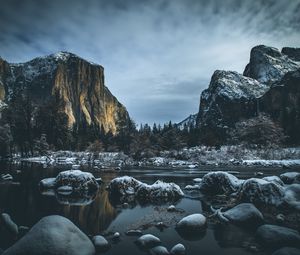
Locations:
{"points": [[158, 55]]}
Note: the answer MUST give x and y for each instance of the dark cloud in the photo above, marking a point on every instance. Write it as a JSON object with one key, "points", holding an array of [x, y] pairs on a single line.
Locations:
{"points": [[158, 55]]}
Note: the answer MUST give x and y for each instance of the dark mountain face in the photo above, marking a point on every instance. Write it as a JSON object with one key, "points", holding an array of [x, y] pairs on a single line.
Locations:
{"points": [[76, 84], [270, 84]]}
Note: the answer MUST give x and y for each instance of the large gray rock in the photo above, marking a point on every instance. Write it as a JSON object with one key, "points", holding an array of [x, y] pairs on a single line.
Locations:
{"points": [[244, 214], [159, 250], [261, 192], [219, 183], [53, 235], [276, 236], [268, 64]]}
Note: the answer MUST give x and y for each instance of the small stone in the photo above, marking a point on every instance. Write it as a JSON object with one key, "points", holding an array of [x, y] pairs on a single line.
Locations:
{"points": [[116, 235], [134, 232], [148, 241], [178, 249], [100, 243], [280, 218], [171, 208], [159, 250]]}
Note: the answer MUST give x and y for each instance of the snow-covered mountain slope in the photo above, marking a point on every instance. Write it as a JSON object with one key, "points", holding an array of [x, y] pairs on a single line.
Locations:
{"points": [[187, 122]]}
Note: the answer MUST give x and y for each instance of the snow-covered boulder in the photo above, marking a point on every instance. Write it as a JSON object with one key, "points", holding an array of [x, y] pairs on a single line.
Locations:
{"points": [[276, 236], [219, 183], [53, 235], [159, 250], [101, 244], [287, 251], [193, 223], [178, 249], [78, 180], [274, 179], [242, 214], [261, 192], [71, 182], [292, 196], [159, 191], [148, 241], [124, 185], [290, 177]]}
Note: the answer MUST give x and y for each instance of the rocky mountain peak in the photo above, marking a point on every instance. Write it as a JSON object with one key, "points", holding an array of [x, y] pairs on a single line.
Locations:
{"points": [[77, 83], [268, 64]]}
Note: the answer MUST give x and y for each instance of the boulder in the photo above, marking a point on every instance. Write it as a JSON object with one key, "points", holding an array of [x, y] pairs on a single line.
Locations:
{"points": [[192, 223], [148, 241], [178, 249], [292, 196], [78, 180], [159, 191], [244, 214], [53, 235], [287, 251], [261, 192], [101, 244], [290, 177], [124, 185], [273, 236], [219, 183], [159, 250], [274, 179]]}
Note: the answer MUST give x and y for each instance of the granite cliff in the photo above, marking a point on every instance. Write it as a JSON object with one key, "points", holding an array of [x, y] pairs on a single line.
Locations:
{"points": [[77, 84], [270, 84]]}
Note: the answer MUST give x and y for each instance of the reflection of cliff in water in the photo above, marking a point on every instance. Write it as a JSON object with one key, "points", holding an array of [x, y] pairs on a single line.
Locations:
{"points": [[92, 218]]}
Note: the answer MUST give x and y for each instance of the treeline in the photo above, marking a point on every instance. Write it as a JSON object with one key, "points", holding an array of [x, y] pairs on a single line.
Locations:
{"points": [[33, 130]]}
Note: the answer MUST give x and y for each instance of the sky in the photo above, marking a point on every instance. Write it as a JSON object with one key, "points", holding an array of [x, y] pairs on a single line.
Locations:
{"points": [[158, 55]]}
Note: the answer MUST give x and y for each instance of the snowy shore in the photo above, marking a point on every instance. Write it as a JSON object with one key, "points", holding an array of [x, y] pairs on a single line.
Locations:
{"points": [[188, 157]]}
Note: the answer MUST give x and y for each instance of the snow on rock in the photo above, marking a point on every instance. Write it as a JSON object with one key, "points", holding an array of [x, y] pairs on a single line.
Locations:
{"points": [[273, 162], [244, 214], [192, 187], [124, 185], [65, 190], [159, 190], [192, 223], [159, 250], [178, 249], [276, 236], [148, 241], [268, 64], [197, 180], [219, 183], [261, 192], [78, 180], [101, 244], [292, 196], [53, 235], [287, 251], [274, 179], [290, 177]]}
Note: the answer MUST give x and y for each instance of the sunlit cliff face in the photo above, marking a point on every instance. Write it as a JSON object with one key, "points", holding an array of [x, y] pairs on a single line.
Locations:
{"points": [[75, 82]]}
